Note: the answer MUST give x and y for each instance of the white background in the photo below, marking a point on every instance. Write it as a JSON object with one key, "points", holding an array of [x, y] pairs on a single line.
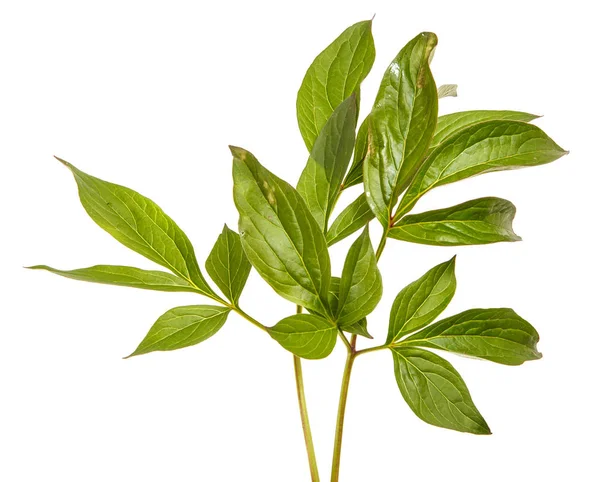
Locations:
{"points": [[149, 95]]}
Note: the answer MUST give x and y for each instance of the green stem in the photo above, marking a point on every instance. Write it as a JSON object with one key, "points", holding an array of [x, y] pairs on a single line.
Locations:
{"points": [[339, 428], [308, 440]]}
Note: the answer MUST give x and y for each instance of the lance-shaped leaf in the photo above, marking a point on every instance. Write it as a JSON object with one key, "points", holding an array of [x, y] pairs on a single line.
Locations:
{"points": [[436, 392], [183, 326], [355, 216], [401, 125], [358, 328], [485, 147], [334, 75], [355, 173], [450, 124], [125, 276], [447, 90], [480, 221], [227, 264], [419, 303], [496, 334], [360, 286], [279, 235], [305, 335], [321, 180], [138, 223]]}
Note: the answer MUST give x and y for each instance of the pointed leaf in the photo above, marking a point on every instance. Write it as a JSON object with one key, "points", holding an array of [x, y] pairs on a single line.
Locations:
{"points": [[485, 147], [355, 173], [447, 90], [279, 235], [358, 328], [227, 264], [419, 303], [356, 215], [334, 75], [401, 125], [307, 336], [448, 125], [125, 276], [321, 180], [497, 334], [361, 286], [183, 326], [138, 223], [481, 221], [436, 392]]}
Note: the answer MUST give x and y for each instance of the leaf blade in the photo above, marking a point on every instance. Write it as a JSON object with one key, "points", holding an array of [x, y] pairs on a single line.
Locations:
{"points": [[496, 334], [436, 392], [333, 76], [420, 302], [305, 335], [361, 285], [279, 235], [401, 125], [182, 327], [355, 216], [227, 265], [321, 180], [480, 221], [447, 90], [485, 147], [124, 276], [141, 225]]}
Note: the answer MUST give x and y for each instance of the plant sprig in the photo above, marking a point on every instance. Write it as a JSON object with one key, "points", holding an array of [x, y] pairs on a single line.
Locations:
{"points": [[400, 152]]}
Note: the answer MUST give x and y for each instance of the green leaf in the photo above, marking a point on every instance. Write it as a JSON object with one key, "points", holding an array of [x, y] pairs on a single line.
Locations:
{"points": [[419, 303], [227, 264], [138, 223], [355, 173], [436, 392], [183, 326], [361, 286], [321, 180], [279, 235], [447, 90], [305, 335], [334, 75], [401, 125], [480, 221], [448, 125], [485, 147], [496, 334], [358, 328], [125, 276], [355, 216]]}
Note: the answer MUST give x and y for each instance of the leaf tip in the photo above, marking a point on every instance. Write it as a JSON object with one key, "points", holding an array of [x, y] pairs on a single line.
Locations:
{"points": [[63, 162]]}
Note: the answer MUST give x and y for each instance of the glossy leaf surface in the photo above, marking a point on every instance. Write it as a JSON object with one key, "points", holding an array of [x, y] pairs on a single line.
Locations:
{"points": [[227, 264], [448, 125], [183, 326], [354, 217], [279, 235], [138, 223], [360, 286], [355, 173], [419, 303], [358, 328], [321, 180], [333, 76], [401, 125], [485, 147], [305, 335], [435, 391], [480, 221], [125, 276], [496, 334]]}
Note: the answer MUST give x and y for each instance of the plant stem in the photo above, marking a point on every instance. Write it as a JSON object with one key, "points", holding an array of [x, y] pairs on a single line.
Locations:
{"points": [[339, 428], [308, 440]]}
